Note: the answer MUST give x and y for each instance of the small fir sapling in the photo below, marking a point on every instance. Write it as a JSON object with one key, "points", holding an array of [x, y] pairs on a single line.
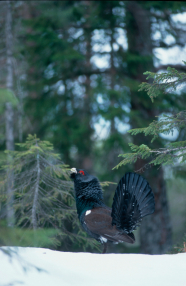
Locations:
{"points": [[43, 192]]}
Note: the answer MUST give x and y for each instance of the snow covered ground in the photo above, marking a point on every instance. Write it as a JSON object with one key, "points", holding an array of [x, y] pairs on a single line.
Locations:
{"points": [[39, 266]]}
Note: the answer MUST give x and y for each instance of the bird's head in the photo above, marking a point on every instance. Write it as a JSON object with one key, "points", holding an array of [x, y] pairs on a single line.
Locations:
{"points": [[79, 174]]}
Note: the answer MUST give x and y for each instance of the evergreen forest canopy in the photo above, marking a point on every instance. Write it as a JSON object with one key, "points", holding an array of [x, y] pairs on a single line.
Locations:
{"points": [[70, 73]]}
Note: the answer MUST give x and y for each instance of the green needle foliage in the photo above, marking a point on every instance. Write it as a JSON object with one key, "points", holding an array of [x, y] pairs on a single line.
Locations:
{"points": [[166, 124], [43, 193], [7, 95], [41, 185], [166, 82]]}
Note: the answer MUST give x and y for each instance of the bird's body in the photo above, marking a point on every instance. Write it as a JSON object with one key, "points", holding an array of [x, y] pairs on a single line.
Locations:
{"points": [[133, 200]]}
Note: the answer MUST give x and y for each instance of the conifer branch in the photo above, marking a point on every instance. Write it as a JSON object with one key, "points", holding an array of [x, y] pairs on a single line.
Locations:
{"points": [[43, 191], [167, 123], [163, 82]]}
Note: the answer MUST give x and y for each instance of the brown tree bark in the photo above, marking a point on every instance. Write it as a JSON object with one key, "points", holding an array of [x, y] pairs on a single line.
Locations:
{"points": [[155, 231]]}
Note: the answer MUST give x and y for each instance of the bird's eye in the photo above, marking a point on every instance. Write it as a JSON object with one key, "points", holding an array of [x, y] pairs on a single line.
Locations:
{"points": [[82, 173]]}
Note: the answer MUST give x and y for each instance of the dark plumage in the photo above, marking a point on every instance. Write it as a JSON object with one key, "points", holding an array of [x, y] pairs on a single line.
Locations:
{"points": [[132, 201]]}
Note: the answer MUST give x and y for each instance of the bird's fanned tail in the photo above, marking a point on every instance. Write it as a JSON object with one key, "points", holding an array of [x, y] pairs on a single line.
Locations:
{"points": [[132, 201]]}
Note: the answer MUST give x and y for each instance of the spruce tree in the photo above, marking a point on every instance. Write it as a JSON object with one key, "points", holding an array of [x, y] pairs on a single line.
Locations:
{"points": [[43, 193]]}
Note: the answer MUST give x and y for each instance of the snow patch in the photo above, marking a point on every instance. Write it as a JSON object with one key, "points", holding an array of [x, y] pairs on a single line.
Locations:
{"points": [[48, 267]]}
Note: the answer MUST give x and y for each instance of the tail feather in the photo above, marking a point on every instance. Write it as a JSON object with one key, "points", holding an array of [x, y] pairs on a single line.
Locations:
{"points": [[144, 195], [132, 201], [149, 208]]}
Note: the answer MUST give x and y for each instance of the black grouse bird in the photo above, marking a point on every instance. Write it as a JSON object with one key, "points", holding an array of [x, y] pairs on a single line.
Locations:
{"points": [[132, 201]]}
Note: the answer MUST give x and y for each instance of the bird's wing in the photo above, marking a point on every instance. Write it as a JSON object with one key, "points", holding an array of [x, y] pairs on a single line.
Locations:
{"points": [[133, 200], [99, 221]]}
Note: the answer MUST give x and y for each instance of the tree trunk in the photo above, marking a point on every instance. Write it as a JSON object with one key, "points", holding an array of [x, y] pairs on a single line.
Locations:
{"points": [[112, 153], [20, 106], [36, 193], [9, 114], [85, 159], [155, 231]]}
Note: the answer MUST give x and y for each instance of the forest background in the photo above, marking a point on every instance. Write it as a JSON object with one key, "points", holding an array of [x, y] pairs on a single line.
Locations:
{"points": [[70, 73]]}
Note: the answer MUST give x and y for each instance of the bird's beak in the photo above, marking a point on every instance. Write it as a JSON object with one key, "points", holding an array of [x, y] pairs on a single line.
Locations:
{"points": [[73, 170]]}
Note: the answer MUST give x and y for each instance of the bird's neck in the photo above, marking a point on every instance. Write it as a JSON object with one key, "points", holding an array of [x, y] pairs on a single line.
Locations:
{"points": [[88, 195], [83, 206]]}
